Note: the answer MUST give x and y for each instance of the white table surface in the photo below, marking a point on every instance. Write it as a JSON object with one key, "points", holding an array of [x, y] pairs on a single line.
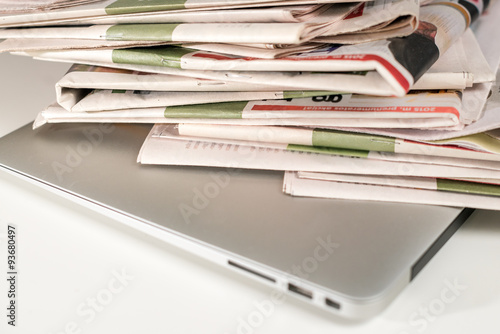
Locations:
{"points": [[69, 258]]}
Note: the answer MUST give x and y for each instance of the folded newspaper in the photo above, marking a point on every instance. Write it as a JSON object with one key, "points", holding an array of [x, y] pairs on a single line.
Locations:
{"points": [[29, 6], [484, 146], [481, 146], [164, 146], [408, 190], [425, 110], [106, 8], [108, 100], [386, 67], [400, 19], [277, 13]]}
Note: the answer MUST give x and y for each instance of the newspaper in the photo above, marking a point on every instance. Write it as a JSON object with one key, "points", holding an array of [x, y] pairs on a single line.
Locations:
{"points": [[57, 114], [413, 110], [108, 100], [266, 51], [471, 186], [26, 6], [477, 147], [34, 44], [168, 151], [106, 8], [172, 132], [283, 14], [366, 82], [381, 68], [275, 33], [86, 77], [80, 79], [459, 195], [283, 108], [327, 22]]}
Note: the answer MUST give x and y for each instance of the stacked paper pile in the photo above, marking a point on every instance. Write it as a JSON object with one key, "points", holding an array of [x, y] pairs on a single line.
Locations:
{"points": [[379, 100]]}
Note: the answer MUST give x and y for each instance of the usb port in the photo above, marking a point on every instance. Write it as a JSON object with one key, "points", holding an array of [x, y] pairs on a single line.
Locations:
{"points": [[332, 303], [300, 291]]}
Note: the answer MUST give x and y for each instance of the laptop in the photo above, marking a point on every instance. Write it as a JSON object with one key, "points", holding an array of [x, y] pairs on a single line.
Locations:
{"points": [[351, 258]]}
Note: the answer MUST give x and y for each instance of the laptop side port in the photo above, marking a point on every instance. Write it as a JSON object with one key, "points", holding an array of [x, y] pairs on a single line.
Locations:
{"points": [[332, 303], [301, 291], [251, 271]]}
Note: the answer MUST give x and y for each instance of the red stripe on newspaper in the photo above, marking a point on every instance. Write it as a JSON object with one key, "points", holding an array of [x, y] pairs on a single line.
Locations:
{"points": [[357, 12], [364, 57], [418, 110], [394, 72]]}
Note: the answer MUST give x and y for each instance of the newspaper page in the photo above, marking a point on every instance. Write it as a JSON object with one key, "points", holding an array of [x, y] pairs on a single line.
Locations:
{"points": [[107, 100], [477, 147], [168, 151], [27, 6], [295, 186], [272, 33], [34, 44], [283, 108], [266, 140], [479, 187], [428, 109], [57, 114], [173, 131], [254, 51], [106, 8], [369, 83], [80, 79], [366, 79], [283, 14]]}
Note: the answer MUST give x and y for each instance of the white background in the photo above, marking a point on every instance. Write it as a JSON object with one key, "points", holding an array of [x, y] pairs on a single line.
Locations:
{"points": [[69, 255]]}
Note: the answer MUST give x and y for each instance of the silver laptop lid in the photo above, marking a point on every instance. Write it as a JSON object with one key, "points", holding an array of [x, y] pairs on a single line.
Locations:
{"points": [[350, 257]]}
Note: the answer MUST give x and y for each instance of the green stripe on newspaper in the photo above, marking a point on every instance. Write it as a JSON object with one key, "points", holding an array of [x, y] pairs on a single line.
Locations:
{"points": [[355, 141], [225, 110], [328, 150], [141, 32], [152, 56], [468, 187], [141, 6]]}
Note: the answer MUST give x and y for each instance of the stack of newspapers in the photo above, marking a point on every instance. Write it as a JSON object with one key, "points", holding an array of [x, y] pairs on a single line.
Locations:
{"points": [[386, 100]]}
